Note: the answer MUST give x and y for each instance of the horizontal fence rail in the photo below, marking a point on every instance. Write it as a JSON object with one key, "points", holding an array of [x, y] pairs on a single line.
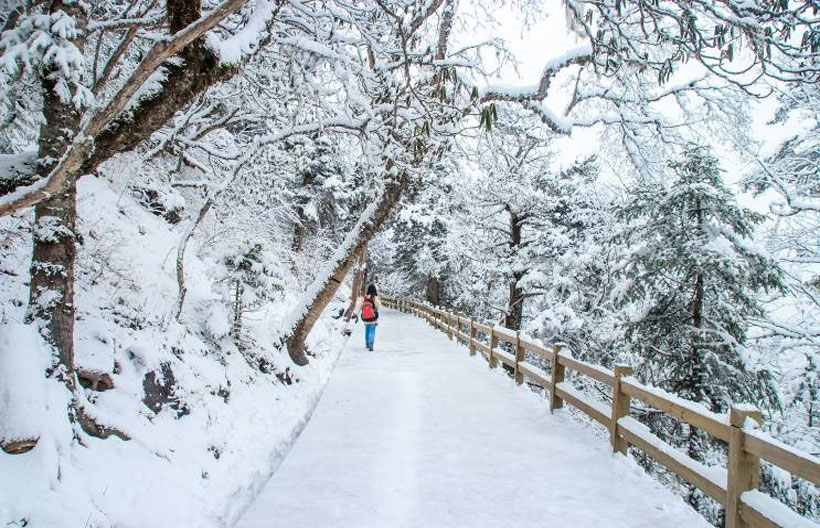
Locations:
{"points": [[734, 487]]}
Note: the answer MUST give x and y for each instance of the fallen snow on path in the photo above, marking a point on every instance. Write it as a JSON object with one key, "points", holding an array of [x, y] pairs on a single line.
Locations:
{"points": [[417, 434]]}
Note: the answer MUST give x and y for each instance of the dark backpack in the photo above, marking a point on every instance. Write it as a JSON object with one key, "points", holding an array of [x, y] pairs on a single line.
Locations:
{"points": [[369, 312]]}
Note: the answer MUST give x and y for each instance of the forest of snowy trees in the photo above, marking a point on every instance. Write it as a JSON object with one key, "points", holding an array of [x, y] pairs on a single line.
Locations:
{"points": [[191, 191]]}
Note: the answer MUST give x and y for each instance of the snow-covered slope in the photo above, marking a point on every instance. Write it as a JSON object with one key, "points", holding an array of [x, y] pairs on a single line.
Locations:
{"points": [[230, 414]]}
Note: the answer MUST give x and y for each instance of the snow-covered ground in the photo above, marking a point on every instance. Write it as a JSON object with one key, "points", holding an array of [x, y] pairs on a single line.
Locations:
{"points": [[419, 434], [199, 459]]}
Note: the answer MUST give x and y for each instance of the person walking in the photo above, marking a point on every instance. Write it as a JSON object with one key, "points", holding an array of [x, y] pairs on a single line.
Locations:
{"points": [[370, 315]]}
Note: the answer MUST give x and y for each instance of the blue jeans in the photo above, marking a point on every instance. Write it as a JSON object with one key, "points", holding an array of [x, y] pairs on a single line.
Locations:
{"points": [[369, 334]]}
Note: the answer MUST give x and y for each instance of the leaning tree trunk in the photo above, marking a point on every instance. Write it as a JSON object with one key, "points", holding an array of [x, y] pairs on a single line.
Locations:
{"points": [[358, 284], [198, 70], [51, 290], [324, 287]]}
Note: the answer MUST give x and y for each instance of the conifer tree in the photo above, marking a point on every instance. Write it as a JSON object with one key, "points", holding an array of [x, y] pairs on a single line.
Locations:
{"points": [[691, 285], [692, 281]]}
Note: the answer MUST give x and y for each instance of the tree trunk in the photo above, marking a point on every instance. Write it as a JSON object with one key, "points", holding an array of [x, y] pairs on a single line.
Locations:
{"points": [[433, 290], [182, 289], [302, 201], [236, 330], [515, 306], [444, 29], [358, 284], [324, 287], [698, 384], [515, 309], [51, 290]]}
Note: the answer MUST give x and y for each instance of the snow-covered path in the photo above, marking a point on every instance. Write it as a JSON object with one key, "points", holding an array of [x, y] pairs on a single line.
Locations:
{"points": [[419, 434]]}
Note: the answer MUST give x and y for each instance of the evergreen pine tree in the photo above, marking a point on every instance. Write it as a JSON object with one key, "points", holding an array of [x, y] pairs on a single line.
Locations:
{"points": [[692, 280], [690, 288]]}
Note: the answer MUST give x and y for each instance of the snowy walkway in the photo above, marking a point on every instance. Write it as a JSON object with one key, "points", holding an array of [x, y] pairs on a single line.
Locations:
{"points": [[418, 434]]}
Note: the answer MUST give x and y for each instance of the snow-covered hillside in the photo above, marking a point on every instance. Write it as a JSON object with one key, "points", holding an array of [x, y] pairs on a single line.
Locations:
{"points": [[198, 451]]}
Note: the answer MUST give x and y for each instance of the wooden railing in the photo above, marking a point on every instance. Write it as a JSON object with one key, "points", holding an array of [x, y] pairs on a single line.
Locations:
{"points": [[734, 487]]}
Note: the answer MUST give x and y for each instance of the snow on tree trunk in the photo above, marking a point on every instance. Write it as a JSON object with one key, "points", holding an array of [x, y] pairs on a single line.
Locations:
{"points": [[303, 198], [515, 308], [51, 290], [236, 328], [358, 284], [182, 289]]}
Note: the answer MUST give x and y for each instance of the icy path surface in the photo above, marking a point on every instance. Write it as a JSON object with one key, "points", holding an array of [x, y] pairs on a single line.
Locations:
{"points": [[418, 434]]}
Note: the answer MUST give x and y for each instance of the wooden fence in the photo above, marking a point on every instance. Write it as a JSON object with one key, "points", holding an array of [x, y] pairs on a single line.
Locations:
{"points": [[734, 487]]}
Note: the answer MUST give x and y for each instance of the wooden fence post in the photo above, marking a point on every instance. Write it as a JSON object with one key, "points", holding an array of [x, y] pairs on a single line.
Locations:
{"points": [[557, 377], [457, 329], [472, 336], [449, 326], [493, 342], [620, 408], [519, 357], [743, 468]]}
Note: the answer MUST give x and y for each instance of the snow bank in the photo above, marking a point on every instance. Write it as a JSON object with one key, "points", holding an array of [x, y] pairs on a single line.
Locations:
{"points": [[775, 511], [23, 362]]}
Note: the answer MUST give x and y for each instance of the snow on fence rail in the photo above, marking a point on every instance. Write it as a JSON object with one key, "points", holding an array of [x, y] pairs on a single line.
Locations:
{"points": [[735, 488]]}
